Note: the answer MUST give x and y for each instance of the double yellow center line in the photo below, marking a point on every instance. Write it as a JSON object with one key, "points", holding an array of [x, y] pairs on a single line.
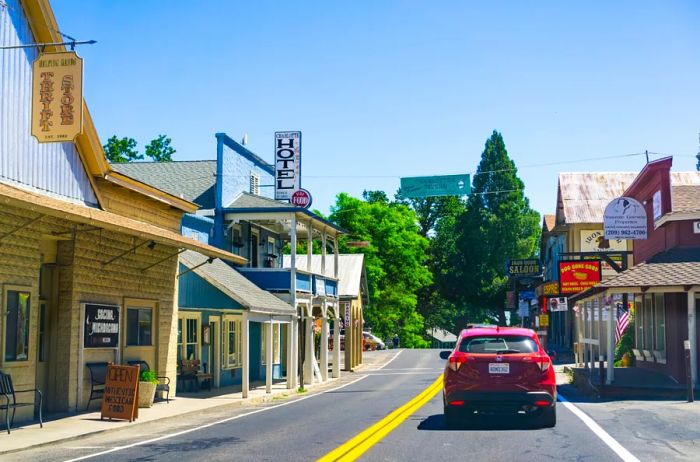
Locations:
{"points": [[358, 445]]}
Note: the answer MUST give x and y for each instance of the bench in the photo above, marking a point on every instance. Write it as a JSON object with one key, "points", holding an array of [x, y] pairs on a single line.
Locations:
{"points": [[9, 392], [163, 382], [189, 372], [98, 375]]}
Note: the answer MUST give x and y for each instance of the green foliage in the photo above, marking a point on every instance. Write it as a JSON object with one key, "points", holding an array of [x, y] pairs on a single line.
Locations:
{"points": [[626, 343], [160, 150], [148, 376], [498, 224], [394, 262], [121, 150]]}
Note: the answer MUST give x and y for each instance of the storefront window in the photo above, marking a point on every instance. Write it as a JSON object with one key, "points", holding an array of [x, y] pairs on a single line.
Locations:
{"points": [[17, 326], [659, 322], [275, 343], [639, 331], [188, 336], [232, 343], [647, 322], [139, 326]]}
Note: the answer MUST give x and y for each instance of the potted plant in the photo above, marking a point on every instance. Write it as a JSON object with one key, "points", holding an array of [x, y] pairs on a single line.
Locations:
{"points": [[147, 388]]}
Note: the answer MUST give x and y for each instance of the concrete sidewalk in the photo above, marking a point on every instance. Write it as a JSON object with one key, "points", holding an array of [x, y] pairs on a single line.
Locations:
{"points": [[76, 426]]}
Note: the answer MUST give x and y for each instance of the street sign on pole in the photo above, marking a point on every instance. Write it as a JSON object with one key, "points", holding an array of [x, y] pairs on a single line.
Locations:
{"points": [[418, 187]]}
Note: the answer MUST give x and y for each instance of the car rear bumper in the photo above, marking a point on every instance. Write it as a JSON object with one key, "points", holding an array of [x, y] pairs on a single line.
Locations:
{"points": [[499, 401]]}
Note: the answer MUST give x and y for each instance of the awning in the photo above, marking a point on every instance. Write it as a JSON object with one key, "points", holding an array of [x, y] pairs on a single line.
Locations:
{"points": [[58, 208]]}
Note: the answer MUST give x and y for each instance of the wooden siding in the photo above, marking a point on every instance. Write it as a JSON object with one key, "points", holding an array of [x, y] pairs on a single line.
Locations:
{"points": [[139, 207], [82, 277]]}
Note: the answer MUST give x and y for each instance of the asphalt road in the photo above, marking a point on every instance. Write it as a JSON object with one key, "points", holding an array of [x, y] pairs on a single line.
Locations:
{"points": [[307, 428]]}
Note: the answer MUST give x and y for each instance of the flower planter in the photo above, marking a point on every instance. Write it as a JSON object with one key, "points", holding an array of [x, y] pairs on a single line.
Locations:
{"points": [[147, 393]]}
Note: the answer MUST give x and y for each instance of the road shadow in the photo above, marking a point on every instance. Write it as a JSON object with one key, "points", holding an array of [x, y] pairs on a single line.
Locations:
{"points": [[157, 451], [437, 422]]}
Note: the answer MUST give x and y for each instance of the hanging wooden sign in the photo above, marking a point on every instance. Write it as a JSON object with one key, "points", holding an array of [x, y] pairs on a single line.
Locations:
{"points": [[57, 97], [120, 398]]}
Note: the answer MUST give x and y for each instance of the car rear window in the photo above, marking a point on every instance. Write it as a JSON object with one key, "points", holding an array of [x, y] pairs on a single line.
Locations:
{"points": [[498, 343]]}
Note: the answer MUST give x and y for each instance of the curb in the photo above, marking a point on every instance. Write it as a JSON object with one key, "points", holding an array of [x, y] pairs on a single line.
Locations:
{"points": [[236, 404]]}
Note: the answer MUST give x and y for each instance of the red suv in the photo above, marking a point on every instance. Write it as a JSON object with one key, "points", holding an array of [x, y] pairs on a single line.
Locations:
{"points": [[499, 370]]}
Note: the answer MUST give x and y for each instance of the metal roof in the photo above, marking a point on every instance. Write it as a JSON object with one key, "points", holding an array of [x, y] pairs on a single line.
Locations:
{"points": [[350, 270], [582, 197], [191, 180], [235, 285], [441, 335]]}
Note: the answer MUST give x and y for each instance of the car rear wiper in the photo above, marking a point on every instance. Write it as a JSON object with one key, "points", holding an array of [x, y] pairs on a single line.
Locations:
{"points": [[503, 352]]}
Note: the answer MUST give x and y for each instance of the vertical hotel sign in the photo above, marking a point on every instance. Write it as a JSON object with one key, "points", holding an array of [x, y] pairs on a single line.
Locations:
{"points": [[57, 97], [287, 164]]}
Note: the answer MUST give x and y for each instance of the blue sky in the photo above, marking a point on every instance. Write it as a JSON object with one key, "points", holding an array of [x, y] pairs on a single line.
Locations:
{"points": [[387, 89]]}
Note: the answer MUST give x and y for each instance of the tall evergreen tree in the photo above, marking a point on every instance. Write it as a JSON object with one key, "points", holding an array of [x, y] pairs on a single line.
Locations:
{"points": [[498, 224]]}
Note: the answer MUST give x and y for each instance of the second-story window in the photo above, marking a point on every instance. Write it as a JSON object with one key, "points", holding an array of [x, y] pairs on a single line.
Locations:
{"points": [[254, 183]]}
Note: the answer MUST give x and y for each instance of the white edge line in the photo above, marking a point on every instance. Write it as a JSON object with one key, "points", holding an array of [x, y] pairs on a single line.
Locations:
{"points": [[612, 443], [211, 424], [389, 362]]}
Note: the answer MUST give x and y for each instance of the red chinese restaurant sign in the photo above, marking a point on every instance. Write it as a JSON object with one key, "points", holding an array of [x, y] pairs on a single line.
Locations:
{"points": [[577, 276]]}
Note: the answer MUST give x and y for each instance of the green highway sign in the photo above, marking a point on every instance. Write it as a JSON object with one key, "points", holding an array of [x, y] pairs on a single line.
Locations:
{"points": [[426, 186]]}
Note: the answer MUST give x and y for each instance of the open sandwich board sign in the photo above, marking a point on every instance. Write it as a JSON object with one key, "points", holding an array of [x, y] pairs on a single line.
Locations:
{"points": [[120, 398]]}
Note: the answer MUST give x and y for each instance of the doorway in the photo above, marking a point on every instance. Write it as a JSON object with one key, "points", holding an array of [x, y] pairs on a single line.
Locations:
{"points": [[46, 338], [215, 351]]}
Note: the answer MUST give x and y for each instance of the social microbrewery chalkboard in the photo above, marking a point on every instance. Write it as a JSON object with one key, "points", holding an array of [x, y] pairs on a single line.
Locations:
{"points": [[120, 398], [101, 326]]}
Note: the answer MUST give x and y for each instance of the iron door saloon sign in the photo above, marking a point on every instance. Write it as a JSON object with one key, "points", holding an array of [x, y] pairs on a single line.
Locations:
{"points": [[57, 97], [101, 326], [526, 267], [287, 164]]}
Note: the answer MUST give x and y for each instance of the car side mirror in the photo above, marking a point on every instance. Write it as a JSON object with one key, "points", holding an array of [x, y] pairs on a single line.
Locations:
{"points": [[445, 354]]}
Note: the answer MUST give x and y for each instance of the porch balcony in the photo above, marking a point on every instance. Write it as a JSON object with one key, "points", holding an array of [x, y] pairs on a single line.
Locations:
{"points": [[279, 280]]}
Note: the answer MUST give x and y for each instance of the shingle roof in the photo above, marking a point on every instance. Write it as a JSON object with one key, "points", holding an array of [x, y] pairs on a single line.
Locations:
{"points": [[675, 267], [191, 180], [350, 270], [582, 197], [235, 285], [686, 198], [251, 201]]}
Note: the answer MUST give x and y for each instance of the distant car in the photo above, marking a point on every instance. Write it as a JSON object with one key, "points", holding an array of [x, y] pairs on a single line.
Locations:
{"points": [[499, 370], [342, 340], [372, 342]]}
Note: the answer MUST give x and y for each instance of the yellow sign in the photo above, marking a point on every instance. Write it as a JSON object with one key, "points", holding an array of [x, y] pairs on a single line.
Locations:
{"points": [[550, 288], [57, 97], [544, 320]]}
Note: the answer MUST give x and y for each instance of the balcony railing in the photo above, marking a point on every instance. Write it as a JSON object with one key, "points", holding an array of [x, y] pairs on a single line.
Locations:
{"points": [[279, 280]]}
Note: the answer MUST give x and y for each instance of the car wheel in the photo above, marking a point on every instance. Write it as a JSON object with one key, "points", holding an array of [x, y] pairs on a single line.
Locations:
{"points": [[451, 417], [547, 417]]}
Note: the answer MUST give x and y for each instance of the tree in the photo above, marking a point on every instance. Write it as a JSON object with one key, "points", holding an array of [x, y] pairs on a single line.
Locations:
{"points": [[160, 150], [394, 262], [498, 224], [121, 150]]}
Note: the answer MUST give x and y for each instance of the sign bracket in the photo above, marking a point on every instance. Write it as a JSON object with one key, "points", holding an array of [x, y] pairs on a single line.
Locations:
{"points": [[72, 45]]}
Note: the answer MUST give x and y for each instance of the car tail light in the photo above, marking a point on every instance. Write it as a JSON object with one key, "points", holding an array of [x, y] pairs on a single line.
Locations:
{"points": [[458, 402], [541, 403], [456, 360], [544, 363]]}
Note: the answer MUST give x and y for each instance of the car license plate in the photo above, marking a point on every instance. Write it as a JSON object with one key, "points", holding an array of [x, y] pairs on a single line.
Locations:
{"points": [[499, 368]]}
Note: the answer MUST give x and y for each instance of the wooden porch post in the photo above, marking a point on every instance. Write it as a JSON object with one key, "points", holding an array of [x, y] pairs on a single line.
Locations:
{"points": [[324, 344], [245, 356], [268, 357], [692, 336]]}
